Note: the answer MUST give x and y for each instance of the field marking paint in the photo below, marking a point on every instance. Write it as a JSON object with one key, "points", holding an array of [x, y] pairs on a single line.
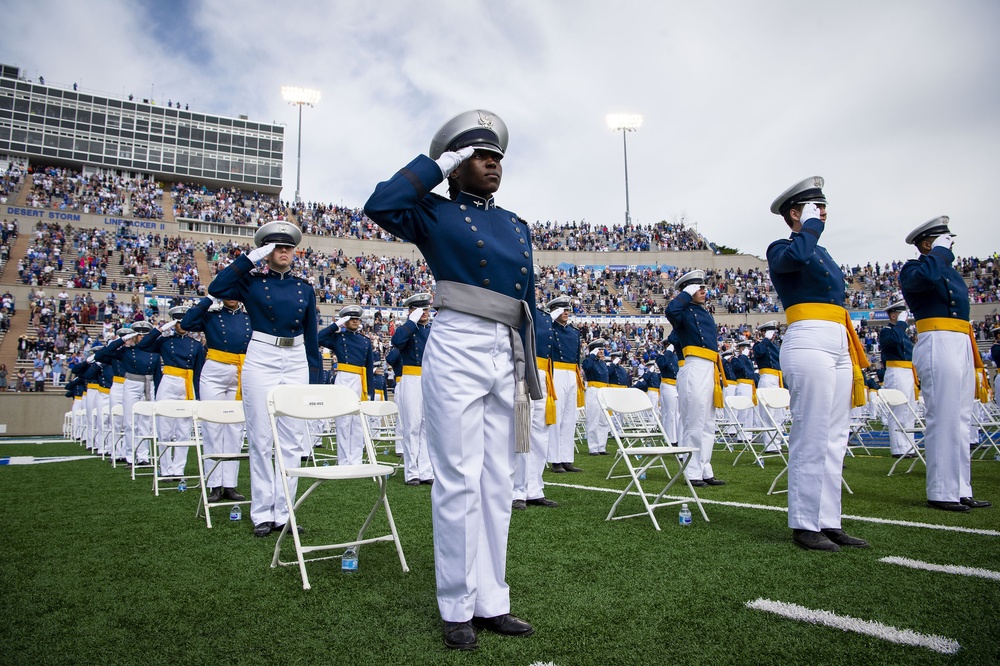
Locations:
{"points": [[824, 618], [942, 568], [21, 442], [32, 460], [765, 507]]}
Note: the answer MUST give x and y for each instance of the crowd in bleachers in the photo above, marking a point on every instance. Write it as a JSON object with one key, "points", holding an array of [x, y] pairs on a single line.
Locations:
{"points": [[229, 205], [584, 236], [11, 179], [98, 194]]}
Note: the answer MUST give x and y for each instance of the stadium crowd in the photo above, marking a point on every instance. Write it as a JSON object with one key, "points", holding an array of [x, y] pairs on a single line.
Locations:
{"points": [[100, 194]]}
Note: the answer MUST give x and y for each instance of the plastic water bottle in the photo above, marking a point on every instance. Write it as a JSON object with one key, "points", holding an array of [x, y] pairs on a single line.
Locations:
{"points": [[349, 562], [182, 486], [385, 451], [326, 463], [684, 518], [236, 513], [642, 475]]}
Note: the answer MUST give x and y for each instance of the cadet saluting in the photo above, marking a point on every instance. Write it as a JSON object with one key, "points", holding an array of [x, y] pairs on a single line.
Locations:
{"points": [[821, 363], [355, 370], [283, 349], [947, 362], [480, 256]]}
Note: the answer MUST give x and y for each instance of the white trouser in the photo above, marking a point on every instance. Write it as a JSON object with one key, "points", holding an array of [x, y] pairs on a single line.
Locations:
{"points": [[469, 379], [79, 416], [943, 360], [720, 413], [669, 412], [350, 439], [89, 400], [654, 399], [528, 467], [265, 367], [769, 381], [901, 379], [416, 457], [102, 425], [598, 427], [563, 434], [56, 375], [746, 416], [173, 459], [133, 392], [219, 381], [696, 401], [117, 398], [816, 366]]}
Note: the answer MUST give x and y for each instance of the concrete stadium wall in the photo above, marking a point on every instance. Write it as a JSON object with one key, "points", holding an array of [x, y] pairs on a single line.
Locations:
{"points": [[31, 414], [27, 217]]}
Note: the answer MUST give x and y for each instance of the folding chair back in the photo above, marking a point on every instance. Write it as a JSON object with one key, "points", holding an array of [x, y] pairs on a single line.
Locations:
{"points": [[219, 412], [170, 409], [325, 401], [636, 427], [381, 418], [142, 409], [892, 399], [736, 405]]}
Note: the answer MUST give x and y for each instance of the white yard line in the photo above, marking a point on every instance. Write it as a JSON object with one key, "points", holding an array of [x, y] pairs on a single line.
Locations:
{"points": [[942, 568], [846, 623], [765, 507]]}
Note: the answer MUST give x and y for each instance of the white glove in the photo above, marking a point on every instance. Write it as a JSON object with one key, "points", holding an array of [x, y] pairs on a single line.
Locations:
{"points": [[593, 352], [810, 212], [416, 315], [768, 334], [903, 316], [746, 351], [129, 336], [692, 289], [342, 321], [91, 358], [944, 241], [449, 161], [261, 252], [555, 314], [670, 347], [169, 325], [616, 360]]}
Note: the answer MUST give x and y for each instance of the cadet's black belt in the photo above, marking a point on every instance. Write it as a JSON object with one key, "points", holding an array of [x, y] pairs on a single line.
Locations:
{"points": [[501, 309], [276, 341]]}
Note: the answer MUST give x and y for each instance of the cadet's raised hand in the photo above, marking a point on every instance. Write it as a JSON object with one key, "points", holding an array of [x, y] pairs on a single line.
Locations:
{"points": [[261, 252], [416, 315], [449, 161], [555, 314], [944, 241]]}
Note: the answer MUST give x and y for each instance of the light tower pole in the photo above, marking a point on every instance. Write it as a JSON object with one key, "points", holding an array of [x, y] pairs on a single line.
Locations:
{"points": [[299, 97], [625, 123]]}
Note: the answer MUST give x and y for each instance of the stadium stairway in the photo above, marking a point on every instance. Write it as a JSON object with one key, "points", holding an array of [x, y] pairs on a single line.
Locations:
{"points": [[8, 274], [8, 346]]}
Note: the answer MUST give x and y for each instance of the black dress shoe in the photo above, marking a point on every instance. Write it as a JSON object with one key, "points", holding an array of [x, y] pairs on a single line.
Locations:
{"points": [[262, 530], [460, 636], [814, 541], [518, 505], [949, 506], [233, 495], [413, 482], [542, 501], [215, 494], [842, 538], [974, 503], [570, 468], [595, 453], [557, 468], [427, 482], [602, 453], [712, 481], [697, 483], [505, 625]]}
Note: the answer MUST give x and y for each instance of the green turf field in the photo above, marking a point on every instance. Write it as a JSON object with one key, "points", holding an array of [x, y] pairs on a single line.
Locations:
{"points": [[96, 570]]}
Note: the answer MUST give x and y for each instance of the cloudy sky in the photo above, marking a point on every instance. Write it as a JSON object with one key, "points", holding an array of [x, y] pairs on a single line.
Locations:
{"points": [[895, 103]]}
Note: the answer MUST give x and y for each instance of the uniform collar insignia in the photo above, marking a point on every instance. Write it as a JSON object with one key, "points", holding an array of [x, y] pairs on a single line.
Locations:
{"points": [[477, 201]]}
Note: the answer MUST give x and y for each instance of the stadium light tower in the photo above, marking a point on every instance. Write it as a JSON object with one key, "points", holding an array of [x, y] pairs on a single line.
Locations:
{"points": [[299, 97], [625, 123]]}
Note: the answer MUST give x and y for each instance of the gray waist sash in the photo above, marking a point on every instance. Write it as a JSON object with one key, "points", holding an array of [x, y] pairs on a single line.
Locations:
{"points": [[501, 309]]}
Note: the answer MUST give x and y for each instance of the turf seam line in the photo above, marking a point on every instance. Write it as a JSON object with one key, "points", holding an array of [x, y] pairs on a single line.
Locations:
{"points": [[765, 507], [824, 618], [942, 568]]}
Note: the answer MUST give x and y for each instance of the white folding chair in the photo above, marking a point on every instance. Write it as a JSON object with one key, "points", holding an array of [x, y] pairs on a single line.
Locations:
{"points": [[580, 433], [636, 427], [171, 409], [726, 432], [324, 401], [381, 417], [986, 417], [219, 412], [776, 400], [143, 409], [67, 429], [891, 398], [117, 431], [104, 420], [738, 405], [323, 433]]}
